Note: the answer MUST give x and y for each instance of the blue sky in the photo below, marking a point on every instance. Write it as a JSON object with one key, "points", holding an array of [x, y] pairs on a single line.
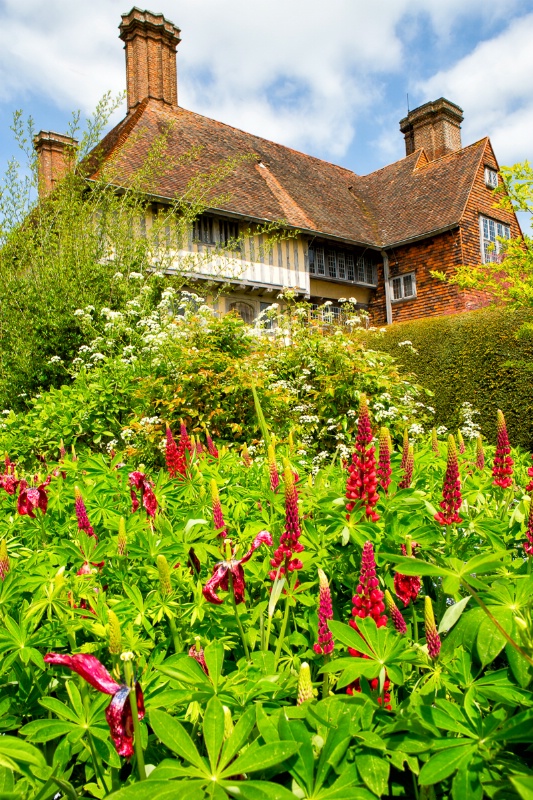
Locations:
{"points": [[330, 79]]}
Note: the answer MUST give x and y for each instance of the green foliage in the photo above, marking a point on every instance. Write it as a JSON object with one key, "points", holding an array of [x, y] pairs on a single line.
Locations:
{"points": [[477, 358]]}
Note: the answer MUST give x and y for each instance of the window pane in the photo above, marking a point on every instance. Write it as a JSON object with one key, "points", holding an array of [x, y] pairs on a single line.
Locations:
{"points": [[361, 269], [245, 311], [319, 258], [341, 266], [350, 268], [311, 255], [397, 288], [332, 264], [408, 288]]}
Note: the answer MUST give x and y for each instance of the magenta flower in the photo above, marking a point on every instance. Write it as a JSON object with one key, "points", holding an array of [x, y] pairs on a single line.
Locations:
{"points": [[407, 479], [368, 598], [174, 456], [8, 480], [362, 482], [81, 514], [218, 517], [502, 470], [145, 487], [407, 587], [211, 447], [289, 543], [451, 490], [395, 613], [384, 470], [325, 643], [198, 654], [480, 454], [273, 468], [233, 567], [32, 497], [118, 713], [528, 546]]}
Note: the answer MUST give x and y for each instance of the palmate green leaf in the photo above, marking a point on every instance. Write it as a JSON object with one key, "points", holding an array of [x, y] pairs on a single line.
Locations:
{"points": [[483, 563], [44, 730], [17, 752], [415, 566], [445, 763], [466, 784], [213, 729], [239, 737], [175, 737], [261, 758], [489, 641], [214, 658], [523, 785], [161, 790], [345, 634], [59, 708], [258, 790], [374, 771], [302, 767], [7, 781]]}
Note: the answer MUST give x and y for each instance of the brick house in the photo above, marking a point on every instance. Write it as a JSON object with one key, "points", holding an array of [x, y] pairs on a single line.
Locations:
{"points": [[373, 237]]}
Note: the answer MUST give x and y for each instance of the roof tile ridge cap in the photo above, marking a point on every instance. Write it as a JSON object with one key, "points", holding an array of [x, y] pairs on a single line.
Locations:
{"points": [[284, 196], [268, 141], [485, 141], [399, 162], [455, 153]]}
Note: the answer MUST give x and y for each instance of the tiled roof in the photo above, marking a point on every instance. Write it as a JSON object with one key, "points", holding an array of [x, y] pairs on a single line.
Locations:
{"points": [[273, 182]]}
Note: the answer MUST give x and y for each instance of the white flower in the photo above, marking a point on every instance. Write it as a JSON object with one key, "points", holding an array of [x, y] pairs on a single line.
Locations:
{"points": [[79, 312], [441, 430], [342, 300], [55, 360], [407, 343], [135, 276], [117, 276]]}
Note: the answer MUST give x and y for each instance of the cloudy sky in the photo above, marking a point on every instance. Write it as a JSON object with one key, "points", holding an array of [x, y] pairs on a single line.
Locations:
{"points": [[327, 77]]}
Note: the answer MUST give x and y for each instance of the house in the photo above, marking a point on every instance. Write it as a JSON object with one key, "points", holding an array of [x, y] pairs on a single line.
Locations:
{"points": [[375, 238]]}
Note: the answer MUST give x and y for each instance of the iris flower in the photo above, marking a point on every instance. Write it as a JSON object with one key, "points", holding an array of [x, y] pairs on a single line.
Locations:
{"points": [[233, 566], [118, 713], [32, 497]]}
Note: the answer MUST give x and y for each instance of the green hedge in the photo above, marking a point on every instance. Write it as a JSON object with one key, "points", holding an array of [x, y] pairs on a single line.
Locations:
{"points": [[476, 357]]}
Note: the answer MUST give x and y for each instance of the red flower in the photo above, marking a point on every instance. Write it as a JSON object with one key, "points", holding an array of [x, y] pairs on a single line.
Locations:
{"points": [[218, 518], [435, 443], [407, 479], [8, 480], [451, 490], [529, 487], [289, 543], [174, 456], [407, 587], [528, 546], [185, 442], [198, 654], [362, 481], [211, 447], [32, 497], [395, 613], [480, 455], [145, 486], [325, 643], [273, 468], [81, 514], [384, 470], [460, 442], [233, 566], [503, 463], [118, 713]]}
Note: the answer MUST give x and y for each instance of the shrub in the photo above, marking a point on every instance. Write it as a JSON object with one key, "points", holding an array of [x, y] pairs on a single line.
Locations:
{"points": [[477, 358]]}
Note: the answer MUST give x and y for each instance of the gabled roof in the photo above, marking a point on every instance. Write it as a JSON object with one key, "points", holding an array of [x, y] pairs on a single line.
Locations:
{"points": [[408, 199]]}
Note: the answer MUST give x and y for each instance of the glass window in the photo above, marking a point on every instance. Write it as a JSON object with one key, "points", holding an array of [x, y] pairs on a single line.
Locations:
{"points": [[491, 177], [403, 286], [491, 233], [244, 310]]}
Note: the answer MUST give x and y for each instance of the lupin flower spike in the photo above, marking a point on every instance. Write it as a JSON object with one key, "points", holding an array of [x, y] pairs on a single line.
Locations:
{"points": [[451, 490], [218, 519], [384, 470], [115, 634], [291, 442], [432, 636], [165, 586], [229, 727], [480, 453], [362, 480], [4, 560], [407, 587], [407, 479], [460, 442], [528, 545], [140, 482], [232, 566], [246, 456], [502, 470], [273, 468], [185, 440], [118, 713], [435, 443], [368, 598], [405, 449], [305, 685], [325, 643], [174, 456], [211, 447], [122, 539], [81, 514], [289, 544], [395, 613]]}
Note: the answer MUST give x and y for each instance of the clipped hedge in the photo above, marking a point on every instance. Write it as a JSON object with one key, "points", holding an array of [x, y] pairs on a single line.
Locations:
{"points": [[476, 357]]}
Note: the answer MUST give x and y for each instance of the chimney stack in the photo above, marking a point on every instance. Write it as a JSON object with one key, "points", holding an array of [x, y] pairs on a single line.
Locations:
{"points": [[435, 127], [55, 157], [150, 42]]}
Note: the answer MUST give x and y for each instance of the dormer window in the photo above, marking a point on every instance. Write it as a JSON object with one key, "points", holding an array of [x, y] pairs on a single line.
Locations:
{"points": [[491, 233], [491, 178]]}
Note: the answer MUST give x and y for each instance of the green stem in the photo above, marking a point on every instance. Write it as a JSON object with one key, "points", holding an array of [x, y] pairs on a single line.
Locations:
{"points": [[325, 682], [237, 617], [495, 622], [267, 635], [137, 742], [96, 764], [282, 632], [176, 639]]}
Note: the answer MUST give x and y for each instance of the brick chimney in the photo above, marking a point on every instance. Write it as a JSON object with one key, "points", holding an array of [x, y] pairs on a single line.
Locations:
{"points": [[151, 42], [435, 127], [55, 157]]}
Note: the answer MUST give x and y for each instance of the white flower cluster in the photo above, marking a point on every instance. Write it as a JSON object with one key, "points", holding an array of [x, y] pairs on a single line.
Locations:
{"points": [[469, 426]]}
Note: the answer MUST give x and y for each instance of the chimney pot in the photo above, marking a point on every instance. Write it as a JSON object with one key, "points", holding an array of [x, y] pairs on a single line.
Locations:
{"points": [[56, 154], [433, 126], [150, 42]]}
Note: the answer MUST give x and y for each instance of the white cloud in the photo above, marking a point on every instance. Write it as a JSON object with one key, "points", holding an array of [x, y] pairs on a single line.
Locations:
{"points": [[493, 86], [302, 72]]}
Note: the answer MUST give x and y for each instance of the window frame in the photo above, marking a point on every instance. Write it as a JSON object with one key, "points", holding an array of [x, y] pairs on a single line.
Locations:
{"points": [[494, 255], [402, 278], [490, 181]]}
